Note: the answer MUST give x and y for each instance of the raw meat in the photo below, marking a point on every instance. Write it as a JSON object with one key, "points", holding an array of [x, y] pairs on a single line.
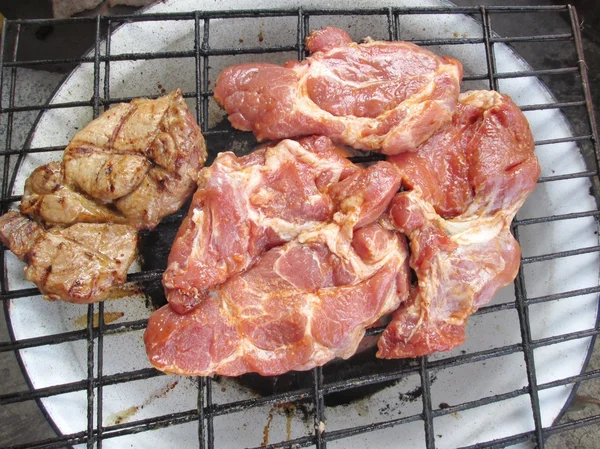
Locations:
{"points": [[47, 198], [299, 306], [245, 206], [143, 157], [379, 96], [81, 263], [478, 171]]}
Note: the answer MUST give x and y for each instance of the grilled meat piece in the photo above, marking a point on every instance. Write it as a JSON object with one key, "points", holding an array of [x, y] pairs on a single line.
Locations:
{"points": [[143, 157], [379, 96], [47, 198], [483, 171], [245, 206], [79, 264], [300, 306], [18, 233]]}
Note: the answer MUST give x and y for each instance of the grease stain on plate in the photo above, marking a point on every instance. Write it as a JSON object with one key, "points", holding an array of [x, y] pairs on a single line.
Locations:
{"points": [[109, 317], [125, 415], [288, 409]]}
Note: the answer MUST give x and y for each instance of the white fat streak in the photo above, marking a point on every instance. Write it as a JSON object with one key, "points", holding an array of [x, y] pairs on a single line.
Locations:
{"points": [[285, 151], [354, 126], [340, 244], [472, 232], [463, 230], [321, 354], [198, 218], [481, 99], [325, 72]]}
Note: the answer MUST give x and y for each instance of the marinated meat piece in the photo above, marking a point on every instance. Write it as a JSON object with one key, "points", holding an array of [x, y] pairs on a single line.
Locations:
{"points": [[245, 206], [49, 200], [299, 306], [79, 264], [450, 167], [461, 262], [143, 157], [18, 233], [379, 96]]}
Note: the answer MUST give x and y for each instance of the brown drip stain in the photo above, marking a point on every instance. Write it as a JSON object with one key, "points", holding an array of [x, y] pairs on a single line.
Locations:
{"points": [[261, 36], [122, 416], [109, 317], [123, 291], [125, 415], [289, 410], [289, 415], [265, 440]]}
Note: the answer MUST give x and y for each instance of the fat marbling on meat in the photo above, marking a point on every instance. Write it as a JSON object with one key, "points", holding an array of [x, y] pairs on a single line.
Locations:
{"points": [[141, 157], [377, 95], [464, 186], [301, 305], [80, 264], [245, 206]]}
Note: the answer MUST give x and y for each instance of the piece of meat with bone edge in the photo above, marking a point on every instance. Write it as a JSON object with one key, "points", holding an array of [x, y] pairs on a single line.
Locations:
{"points": [[301, 305], [247, 205], [379, 96], [142, 157], [461, 262], [82, 263], [47, 198]]}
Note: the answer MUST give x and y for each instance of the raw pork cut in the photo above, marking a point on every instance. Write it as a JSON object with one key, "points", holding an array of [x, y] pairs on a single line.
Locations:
{"points": [[301, 305], [142, 157], [466, 184], [81, 263], [379, 96], [245, 206]]}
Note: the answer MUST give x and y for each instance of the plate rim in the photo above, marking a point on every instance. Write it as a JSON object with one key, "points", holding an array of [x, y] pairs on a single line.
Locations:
{"points": [[147, 9]]}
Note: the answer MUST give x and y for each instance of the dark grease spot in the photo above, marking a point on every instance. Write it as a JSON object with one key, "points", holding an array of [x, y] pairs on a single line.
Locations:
{"points": [[153, 249], [43, 32], [344, 371]]}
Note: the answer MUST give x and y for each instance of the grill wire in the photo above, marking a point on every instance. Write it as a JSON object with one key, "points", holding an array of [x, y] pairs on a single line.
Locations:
{"points": [[207, 409]]}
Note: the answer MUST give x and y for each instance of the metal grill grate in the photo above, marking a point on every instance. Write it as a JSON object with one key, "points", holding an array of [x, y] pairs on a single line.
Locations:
{"points": [[207, 408]]}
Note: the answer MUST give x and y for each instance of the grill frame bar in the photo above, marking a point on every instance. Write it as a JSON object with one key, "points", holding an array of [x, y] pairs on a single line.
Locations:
{"points": [[206, 409]]}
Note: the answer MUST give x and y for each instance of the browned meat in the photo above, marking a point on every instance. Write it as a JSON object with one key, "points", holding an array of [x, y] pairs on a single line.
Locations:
{"points": [[80, 264], [48, 199], [143, 157], [18, 233]]}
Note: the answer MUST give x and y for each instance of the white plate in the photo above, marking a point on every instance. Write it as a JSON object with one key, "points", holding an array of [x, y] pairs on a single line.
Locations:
{"points": [[128, 402]]}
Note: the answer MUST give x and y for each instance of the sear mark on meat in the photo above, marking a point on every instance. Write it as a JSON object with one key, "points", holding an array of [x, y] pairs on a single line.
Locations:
{"points": [[47, 198], [245, 206], [142, 157], [79, 264], [124, 171], [461, 246], [301, 305], [379, 96]]}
